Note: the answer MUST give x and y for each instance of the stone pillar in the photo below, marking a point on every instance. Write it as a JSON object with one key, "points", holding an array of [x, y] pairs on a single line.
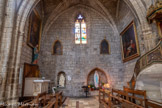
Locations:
{"points": [[2, 5], [14, 69], [148, 38], [6, 43]]}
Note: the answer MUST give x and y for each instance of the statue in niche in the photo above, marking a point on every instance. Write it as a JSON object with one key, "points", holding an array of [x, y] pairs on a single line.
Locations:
{"points": [[62, 80], [96, 79], [35, 55]]}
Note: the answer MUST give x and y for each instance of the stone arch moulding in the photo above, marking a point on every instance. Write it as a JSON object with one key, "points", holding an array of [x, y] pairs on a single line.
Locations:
{"points": [[100, 70], [61, 48], [22, 15]]}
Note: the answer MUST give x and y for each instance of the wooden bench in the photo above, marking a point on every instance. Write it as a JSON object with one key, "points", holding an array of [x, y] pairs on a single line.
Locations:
{"points": [[116, 99], [122, 98], [53, 102], [104, 98], [153, 104], [143, 98], [139, 96], [127, 98], [41, 98], [38, 100], [65, 102]]}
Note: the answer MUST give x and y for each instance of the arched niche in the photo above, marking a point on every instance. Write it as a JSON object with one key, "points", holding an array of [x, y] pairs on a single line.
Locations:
{"points": [[104, 47], [57, 48], [102, 77], [61, 80]]}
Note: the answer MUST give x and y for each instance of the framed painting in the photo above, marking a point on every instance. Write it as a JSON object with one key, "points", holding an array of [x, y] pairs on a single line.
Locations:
{"points": [[129, 43], [160, 28], [34, 33]]}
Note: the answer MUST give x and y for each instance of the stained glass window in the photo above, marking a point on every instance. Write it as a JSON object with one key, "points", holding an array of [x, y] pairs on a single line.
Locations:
{"points": [[80, 31], [77, 32]]}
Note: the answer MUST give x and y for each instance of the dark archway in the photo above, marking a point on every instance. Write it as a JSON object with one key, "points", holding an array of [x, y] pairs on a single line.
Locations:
{"points": [[57, 48], [104, 47]]}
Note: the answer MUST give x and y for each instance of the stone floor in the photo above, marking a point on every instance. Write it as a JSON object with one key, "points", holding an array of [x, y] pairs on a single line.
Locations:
{"points": [[90, 102]]}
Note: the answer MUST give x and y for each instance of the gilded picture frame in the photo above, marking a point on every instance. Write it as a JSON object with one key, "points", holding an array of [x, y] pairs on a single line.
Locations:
{"points": [[129, 43], [159, 25], [34, 31]]}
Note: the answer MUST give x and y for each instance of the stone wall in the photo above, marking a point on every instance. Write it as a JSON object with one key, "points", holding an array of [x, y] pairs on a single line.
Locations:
{"points": [[12, 20], [125, 17], [78, 60]]}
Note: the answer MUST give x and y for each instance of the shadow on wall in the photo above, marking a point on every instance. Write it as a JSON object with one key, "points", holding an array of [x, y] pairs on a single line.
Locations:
{"points": [[150, 80]]}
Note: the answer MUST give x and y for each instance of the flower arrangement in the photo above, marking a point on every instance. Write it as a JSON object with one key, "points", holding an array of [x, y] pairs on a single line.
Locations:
{"points": [[92, 87]]}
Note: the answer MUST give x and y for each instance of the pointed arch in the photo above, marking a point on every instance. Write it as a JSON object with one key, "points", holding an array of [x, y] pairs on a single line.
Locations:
{"points": [[101, 74], [104, 47], [57, 48], [61, 79]]}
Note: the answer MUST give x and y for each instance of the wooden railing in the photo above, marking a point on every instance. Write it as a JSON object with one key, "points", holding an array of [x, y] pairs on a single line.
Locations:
{"points": [[126, 98], [117, 99], [153, 104], [151, 57]]}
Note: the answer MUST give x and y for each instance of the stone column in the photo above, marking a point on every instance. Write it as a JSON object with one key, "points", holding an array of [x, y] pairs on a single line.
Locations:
{"points": [[6, 43], [148, 38], [2, 5]]}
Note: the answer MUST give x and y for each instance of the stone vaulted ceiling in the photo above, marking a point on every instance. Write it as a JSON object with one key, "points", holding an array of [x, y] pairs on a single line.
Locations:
{"points": [[110, 5]]}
